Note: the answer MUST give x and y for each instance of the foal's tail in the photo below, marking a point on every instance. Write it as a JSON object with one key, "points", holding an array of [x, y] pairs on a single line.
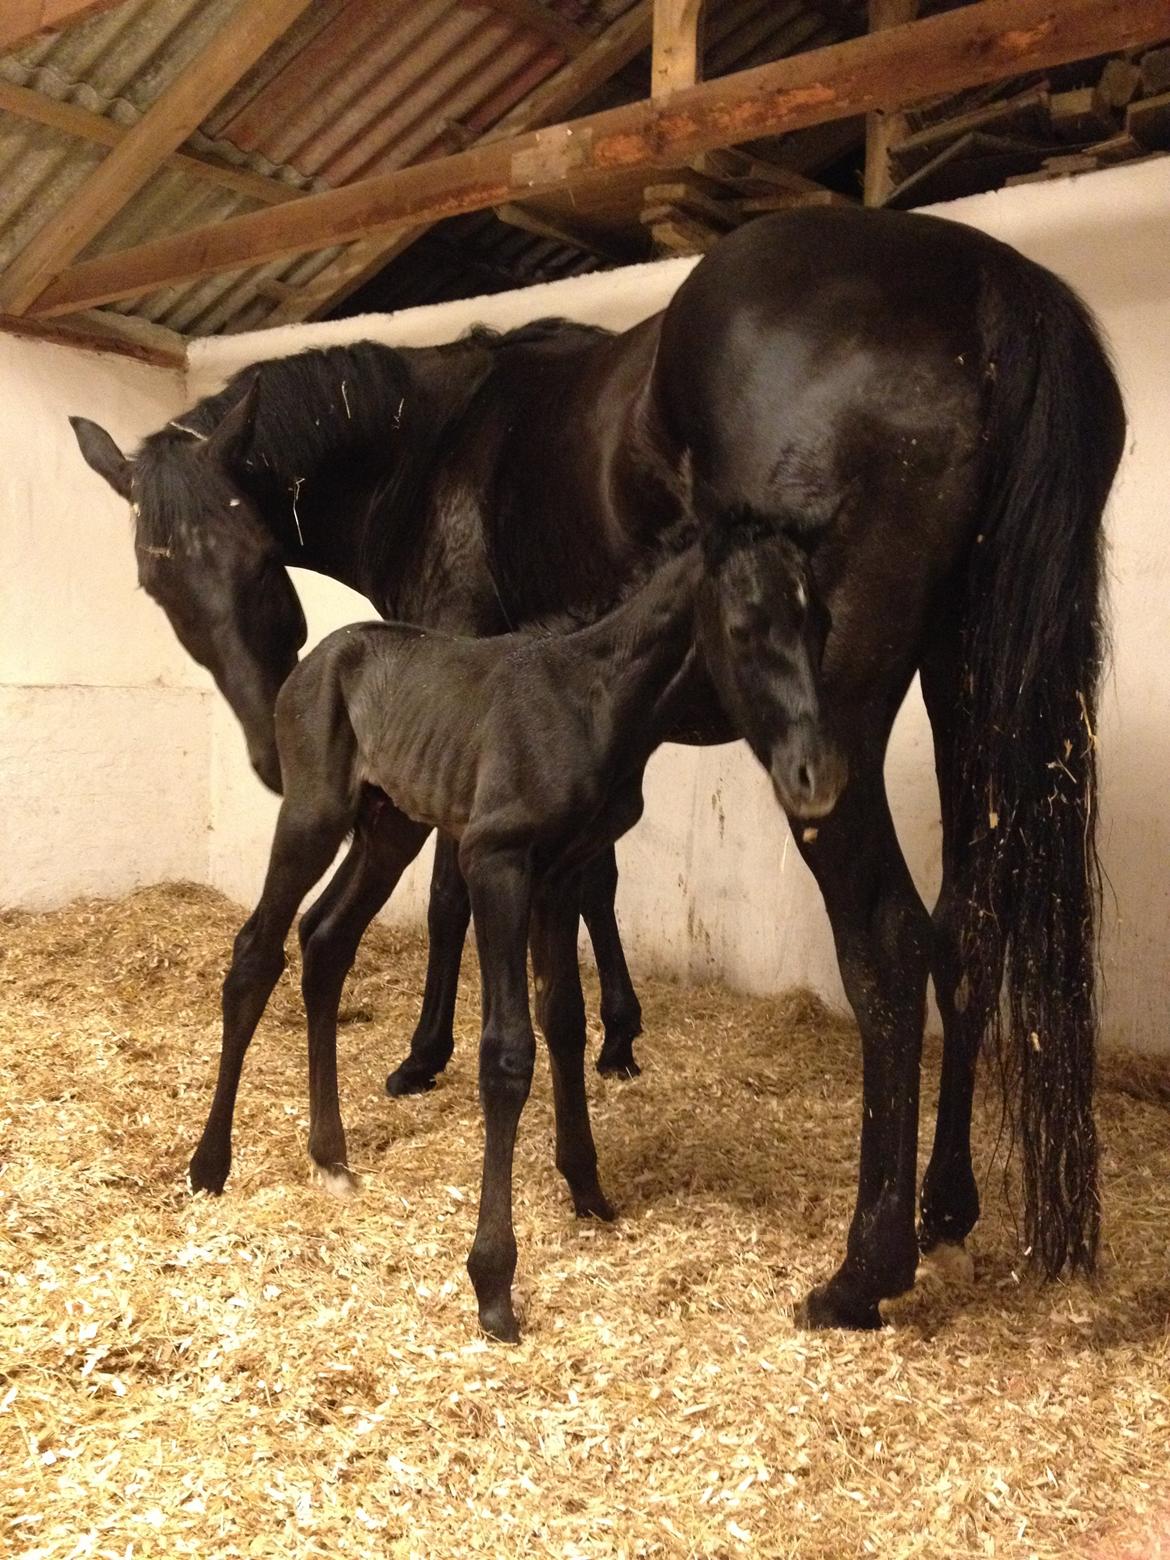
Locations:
{"points": [[1034, 642]]}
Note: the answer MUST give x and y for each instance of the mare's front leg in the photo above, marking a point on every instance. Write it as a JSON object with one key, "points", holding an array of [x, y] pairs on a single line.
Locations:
{"points": [[500, 881], [303, 847], [560, 1012], [385, 844], [448, 912], [621, 1012], [882, 933]]}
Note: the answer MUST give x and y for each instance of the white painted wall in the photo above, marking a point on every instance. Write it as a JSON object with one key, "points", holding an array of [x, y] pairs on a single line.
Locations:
{"points": [[104, 722], [711, 885]]}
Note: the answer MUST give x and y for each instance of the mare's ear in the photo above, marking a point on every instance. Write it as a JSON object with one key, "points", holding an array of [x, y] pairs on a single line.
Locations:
{"points": [[227, 441], [100, 452]]}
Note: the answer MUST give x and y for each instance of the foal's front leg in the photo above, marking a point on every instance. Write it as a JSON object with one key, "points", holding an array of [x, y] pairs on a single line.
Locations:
{"points": [[500, 881], [560, 1012], [621, 1012]]}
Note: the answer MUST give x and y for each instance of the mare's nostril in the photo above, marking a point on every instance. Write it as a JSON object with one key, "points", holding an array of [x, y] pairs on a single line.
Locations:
{"points": [[806, 780]]}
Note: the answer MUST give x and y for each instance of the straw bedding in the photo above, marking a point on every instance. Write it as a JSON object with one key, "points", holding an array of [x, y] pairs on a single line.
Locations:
{"points": [[276, 1373]]}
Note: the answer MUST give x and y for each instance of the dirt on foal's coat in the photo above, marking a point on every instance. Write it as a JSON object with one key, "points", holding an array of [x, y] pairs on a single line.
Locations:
{"points": [[530, 751]]}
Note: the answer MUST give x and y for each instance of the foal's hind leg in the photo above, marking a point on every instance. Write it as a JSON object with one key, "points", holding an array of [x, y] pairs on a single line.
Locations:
{"points": [[448, 912], [621, 1012], [560, 1012], [386, 843], [950, 1196], [301, 851], [882, 934]]}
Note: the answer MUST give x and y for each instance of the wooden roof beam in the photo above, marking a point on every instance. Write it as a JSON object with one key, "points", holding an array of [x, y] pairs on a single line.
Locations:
{"points": [[253, 28], [79, 122], [23, 20], [942, 54], [884, 127]]}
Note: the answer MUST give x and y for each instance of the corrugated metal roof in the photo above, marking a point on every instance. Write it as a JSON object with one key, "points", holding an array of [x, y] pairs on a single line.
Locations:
{"points": [[355, 88]]}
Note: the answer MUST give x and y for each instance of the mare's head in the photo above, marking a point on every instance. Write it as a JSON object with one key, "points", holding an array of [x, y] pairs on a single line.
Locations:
{"points": [[205, 556], [761, 630]]}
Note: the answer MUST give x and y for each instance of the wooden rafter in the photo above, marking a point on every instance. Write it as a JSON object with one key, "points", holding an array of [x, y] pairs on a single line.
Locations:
{"points": [[609, 52], [79, 122], [101, 330], [891, 69], [253, 28], [540, 19], [883, 128], [23, 20], [678, 53]]}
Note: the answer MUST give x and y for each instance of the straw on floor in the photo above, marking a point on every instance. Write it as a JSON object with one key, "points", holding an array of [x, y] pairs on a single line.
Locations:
{"points": [[276, 1373]]}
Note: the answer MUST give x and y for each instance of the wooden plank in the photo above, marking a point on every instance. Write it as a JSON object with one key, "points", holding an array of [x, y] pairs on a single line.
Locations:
{"points": [[540, 19], [1082, 115], [614, 247], [610, 52], [884, 128], [751, 174], [253, 28], [1155, 72], [93, 332], [71, 120], [1120, 81], [677, 58], [1148, 122], [941, 54], [23, 20], [1026, 114]]}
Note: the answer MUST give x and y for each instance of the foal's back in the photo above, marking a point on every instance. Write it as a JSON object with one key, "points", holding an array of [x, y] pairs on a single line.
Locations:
{"points": [[445, 726]]}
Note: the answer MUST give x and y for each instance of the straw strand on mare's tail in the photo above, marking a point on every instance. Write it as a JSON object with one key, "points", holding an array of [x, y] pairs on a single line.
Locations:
{"points": [[1027, 776]]}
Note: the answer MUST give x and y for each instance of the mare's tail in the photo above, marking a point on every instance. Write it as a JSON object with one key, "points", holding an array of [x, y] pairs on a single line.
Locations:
{"points": [[1034, 642]]}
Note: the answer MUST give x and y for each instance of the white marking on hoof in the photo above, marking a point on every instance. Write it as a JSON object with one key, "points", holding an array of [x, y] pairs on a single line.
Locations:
{"points": [[947, 1263], [337, 1180]]}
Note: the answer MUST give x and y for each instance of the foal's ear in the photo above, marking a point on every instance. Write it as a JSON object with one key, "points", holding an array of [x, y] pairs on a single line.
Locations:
{"points": [[226, 441], [103, 454]]}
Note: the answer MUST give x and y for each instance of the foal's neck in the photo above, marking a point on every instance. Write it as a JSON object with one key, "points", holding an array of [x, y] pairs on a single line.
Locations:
{"points": [[641, 649]]}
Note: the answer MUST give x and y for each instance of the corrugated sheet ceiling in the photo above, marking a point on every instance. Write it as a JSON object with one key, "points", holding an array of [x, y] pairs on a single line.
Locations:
{"points": [[355, 88]]}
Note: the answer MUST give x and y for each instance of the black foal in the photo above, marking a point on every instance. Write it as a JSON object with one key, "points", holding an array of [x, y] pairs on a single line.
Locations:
{"points": [[530, 751]]}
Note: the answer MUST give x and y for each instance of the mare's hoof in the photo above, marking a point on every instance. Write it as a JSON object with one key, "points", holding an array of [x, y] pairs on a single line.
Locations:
{"points": [[948, 1263], [206, 1174], [409, 1078], [499, 1322], [617, 1060], [338, 1180], [827, 1307]]}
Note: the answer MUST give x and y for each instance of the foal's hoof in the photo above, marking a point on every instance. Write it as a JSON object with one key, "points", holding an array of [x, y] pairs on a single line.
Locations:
{"points": [[410, 1078], [827, 1307], [338, 1180], [593, 1204], [206, 1173], [616, 1060], [499, 1322], [947, 1264]]}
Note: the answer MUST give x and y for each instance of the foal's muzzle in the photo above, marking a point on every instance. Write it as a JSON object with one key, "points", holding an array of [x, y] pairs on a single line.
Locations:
{"points": [[808, 773]]}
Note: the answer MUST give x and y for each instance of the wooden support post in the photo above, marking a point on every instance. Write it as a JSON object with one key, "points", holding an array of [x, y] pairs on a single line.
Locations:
{"points": [[884, 127], [677, 60]]}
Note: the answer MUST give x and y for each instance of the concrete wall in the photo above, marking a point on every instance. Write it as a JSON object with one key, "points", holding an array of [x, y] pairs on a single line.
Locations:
{"points": [[105, 725]]}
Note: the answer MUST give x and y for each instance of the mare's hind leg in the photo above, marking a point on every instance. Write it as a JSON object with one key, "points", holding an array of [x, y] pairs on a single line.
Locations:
{"points": [[448, 912], [560, 1012], [385, 845], [882, 933], [302, 849], [500, 881], [621, 1012], [949, 1202]]}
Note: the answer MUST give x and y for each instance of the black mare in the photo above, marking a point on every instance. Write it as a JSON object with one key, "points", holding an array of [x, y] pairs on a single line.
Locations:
{"points": [[529, 751], [935, 419]]}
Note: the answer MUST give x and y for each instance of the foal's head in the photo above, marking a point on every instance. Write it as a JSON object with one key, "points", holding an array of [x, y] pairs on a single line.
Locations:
{"points": [[206, 558], [761, 633]]}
